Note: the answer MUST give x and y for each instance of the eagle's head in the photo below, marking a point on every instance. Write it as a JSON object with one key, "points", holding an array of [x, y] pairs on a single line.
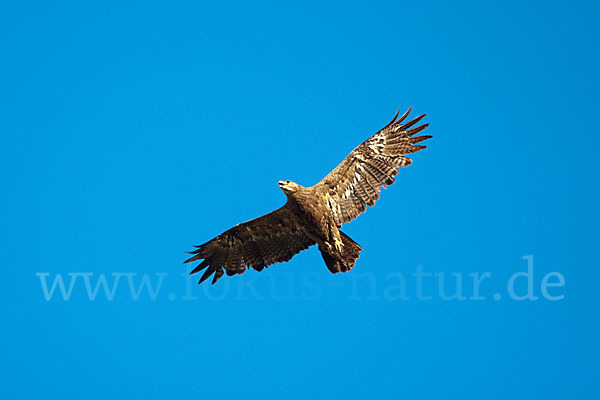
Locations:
{"points": [[288, 187]]}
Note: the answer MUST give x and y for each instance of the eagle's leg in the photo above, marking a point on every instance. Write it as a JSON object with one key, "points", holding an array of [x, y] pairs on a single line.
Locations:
{"points": [[338, 245], [334, 233]]}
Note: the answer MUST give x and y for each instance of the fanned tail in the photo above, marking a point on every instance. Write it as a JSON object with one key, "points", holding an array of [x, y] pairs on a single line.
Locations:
{"points": [[345, 261]]}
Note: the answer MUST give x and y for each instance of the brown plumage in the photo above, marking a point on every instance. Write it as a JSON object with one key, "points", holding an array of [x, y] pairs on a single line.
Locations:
{"points": [[313, 215]]}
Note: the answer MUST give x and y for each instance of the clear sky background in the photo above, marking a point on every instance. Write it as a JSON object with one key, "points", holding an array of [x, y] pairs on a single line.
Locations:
{"points": [[131, 131]]}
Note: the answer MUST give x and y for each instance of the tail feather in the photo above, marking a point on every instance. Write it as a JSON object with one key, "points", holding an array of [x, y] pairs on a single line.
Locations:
{"points": [[345, 261]]}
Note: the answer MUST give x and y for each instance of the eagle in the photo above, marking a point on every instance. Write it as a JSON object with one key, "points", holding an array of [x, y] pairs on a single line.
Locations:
{"points": [[314, 215]]}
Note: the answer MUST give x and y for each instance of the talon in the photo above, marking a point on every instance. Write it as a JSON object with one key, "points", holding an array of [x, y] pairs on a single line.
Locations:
{"points": [[338, 245]]}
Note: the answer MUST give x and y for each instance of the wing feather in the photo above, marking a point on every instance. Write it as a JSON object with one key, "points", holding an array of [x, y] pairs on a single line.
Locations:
{"points": [[272, 238], [357, 181]]}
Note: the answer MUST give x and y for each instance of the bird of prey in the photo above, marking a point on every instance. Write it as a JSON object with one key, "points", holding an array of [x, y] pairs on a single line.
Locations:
{"points": [[314, 215]]}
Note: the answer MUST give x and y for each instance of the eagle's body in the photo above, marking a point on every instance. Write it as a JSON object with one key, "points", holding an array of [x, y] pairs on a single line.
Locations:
{"points": [[313, 215], [315, 219]]}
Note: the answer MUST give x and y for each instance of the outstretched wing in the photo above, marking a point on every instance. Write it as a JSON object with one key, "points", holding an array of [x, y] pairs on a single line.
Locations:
{"points": [[272, 238], [357, 181]]}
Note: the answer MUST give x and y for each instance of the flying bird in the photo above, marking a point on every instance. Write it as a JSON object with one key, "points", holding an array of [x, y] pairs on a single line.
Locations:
{"points": [[314, 215]]}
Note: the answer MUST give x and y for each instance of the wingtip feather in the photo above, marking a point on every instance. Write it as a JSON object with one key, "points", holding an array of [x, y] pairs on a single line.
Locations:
{"points": [[418, 139], [413, 122], [403, 117], [200, 267], [194, 258], [414, 131], [206, 275], [393, 119], [395, 116]]}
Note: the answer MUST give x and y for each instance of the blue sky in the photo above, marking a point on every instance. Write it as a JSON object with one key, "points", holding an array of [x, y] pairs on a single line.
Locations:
{"points": [[134, 130]]}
